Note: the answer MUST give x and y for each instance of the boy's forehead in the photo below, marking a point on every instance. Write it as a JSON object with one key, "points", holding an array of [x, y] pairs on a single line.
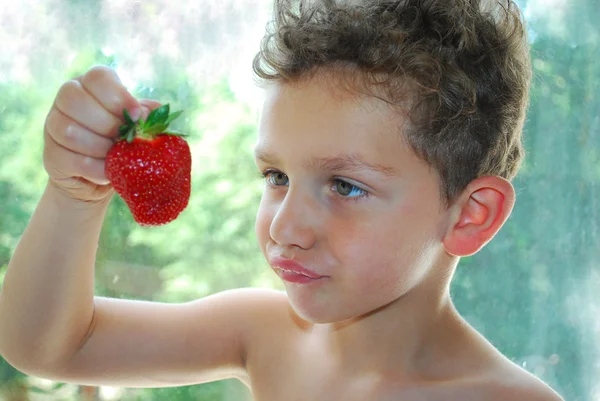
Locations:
{"points": [[307, 124], [313, 105], [322, 87]]}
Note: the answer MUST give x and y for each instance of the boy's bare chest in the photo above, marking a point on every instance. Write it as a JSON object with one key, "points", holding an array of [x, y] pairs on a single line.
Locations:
{"points": [[315, 389], [311, 378], [303, 375], [311, 387]]}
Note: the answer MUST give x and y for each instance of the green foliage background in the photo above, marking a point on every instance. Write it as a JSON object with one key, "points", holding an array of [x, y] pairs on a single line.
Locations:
{"points": [[531, 291]]}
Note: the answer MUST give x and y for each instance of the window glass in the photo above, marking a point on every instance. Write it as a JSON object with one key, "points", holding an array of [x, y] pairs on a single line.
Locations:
{"points": [[533, 291]]}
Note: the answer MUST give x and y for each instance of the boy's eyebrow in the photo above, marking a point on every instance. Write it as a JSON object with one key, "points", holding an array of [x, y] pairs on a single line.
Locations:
{"points": [[341, 162]]}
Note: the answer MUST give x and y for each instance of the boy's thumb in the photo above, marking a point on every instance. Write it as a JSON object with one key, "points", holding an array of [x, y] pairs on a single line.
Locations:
{"points": [[145, 112], [147, 106]]}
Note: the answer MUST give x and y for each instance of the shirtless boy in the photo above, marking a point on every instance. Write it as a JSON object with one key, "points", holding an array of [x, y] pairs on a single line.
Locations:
{"points": [[388, 138]]}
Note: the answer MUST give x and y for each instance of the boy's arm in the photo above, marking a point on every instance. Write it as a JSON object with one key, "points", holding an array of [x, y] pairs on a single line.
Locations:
{"points": [[53, 327], [46, 302]]}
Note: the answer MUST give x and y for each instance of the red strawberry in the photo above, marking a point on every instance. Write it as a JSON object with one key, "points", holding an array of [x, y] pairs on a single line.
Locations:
{"points": [[150, 168]]}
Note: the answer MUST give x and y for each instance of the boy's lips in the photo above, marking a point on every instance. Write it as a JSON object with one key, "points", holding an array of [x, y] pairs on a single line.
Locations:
{"points": [[287, 266]]}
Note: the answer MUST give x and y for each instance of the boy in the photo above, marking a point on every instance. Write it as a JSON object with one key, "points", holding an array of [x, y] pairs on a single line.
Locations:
{"points": [[387, 140]]}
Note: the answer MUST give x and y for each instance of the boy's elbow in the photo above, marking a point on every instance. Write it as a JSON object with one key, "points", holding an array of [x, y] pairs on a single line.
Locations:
{"points": [[37, 350], [35, 358], [17, 361], [33, 363]]}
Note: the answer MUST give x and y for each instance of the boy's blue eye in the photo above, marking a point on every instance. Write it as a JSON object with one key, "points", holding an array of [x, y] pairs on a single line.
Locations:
{"points": [[343, 188], [276, 178], [346, 189]]}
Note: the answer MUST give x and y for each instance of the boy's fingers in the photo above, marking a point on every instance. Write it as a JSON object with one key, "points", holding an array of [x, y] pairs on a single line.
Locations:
{"points": [[71, 164], [104, 85], [75, 102], [71, 135]]}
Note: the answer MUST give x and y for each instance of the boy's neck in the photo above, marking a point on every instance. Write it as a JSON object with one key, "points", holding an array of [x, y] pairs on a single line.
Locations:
{"points": [[401, 338]]}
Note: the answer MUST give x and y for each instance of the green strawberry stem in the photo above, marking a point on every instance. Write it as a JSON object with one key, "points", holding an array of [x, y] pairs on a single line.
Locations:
{"points": [[156, 124]]}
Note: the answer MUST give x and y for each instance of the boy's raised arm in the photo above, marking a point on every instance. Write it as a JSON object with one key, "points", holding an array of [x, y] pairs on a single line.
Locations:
{"points": [[51, 325], [47, 299]]}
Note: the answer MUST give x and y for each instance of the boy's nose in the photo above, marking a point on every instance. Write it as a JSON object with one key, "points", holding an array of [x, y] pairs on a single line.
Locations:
{"points": [[295, 222]]}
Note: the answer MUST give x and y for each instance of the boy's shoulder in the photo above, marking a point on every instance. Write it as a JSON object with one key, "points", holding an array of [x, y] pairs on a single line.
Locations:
{"points": [[500, 382], [474, 371], [497, 383], [498, 378], [510, 382]]}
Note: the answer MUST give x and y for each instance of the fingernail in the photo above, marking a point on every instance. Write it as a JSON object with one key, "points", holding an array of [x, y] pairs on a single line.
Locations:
{"points": [[145, 112], [136, 113]]}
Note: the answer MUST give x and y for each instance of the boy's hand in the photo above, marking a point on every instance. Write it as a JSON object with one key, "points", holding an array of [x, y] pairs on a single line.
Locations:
{"points": [[80, 129]]}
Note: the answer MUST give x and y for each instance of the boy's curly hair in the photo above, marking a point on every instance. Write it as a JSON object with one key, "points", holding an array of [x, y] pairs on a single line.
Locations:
{"points": [[464, 64]]}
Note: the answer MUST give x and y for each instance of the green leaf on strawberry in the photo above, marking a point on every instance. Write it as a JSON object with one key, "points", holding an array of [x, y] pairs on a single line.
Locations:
{"points": [[157, 122], [173, 116], [127, 117], [157, 116]]}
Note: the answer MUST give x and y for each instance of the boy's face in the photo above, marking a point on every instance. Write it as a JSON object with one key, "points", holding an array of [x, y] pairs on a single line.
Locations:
{"points": [[347, 199]]}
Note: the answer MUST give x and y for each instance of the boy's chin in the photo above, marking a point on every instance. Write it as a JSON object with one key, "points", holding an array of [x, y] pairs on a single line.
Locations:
{"points": [[324, 312], [318, 317], [309, 309]]}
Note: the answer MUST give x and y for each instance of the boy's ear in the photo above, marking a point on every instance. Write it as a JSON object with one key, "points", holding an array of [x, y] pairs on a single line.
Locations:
{"points": [[478, 215]]}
